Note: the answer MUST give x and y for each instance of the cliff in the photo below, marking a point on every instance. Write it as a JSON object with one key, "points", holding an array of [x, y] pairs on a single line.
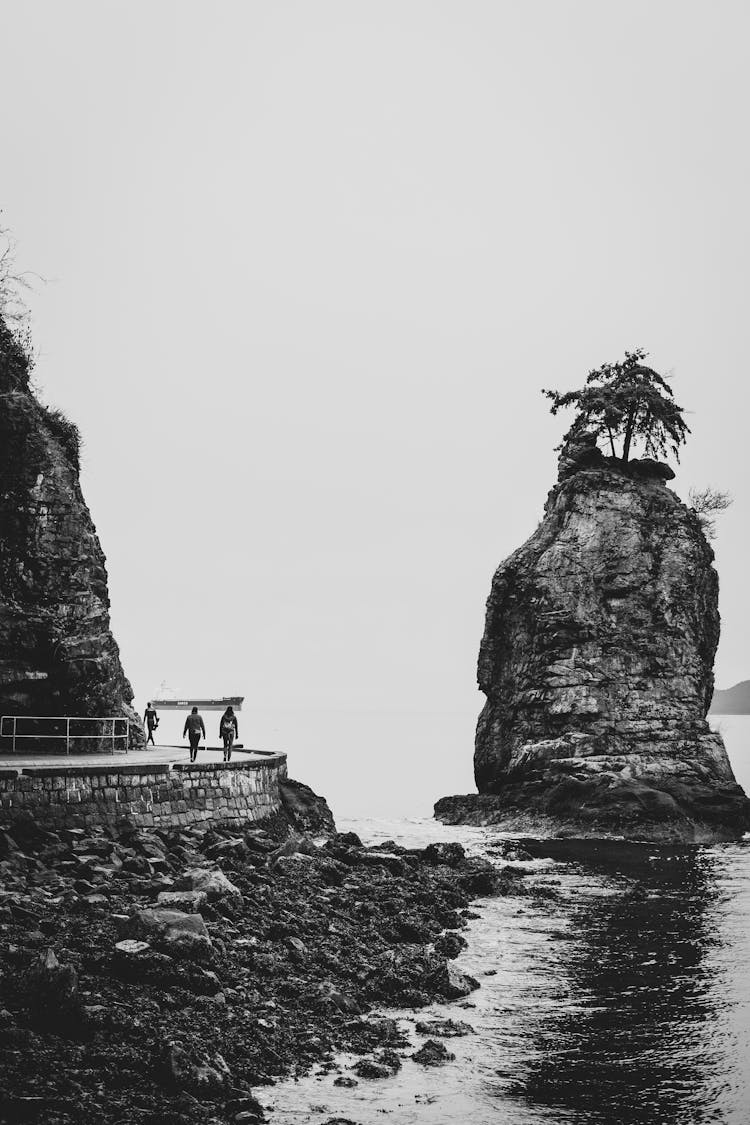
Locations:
{"points": [[57, 654], [597, 664]]}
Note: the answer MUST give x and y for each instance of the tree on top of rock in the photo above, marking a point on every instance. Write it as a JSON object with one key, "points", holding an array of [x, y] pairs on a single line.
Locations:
{"points": [[626, 402]]}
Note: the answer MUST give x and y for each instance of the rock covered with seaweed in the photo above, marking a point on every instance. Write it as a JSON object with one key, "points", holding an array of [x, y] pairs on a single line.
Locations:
{"points": [[162, 977]]}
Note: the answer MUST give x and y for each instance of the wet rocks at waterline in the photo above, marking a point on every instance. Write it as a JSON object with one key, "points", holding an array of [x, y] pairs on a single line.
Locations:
{"points": [[142, 980]]}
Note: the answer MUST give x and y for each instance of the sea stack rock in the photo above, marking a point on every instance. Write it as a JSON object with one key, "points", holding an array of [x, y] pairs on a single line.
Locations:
{"points": [[57, 654], [597, 664]]}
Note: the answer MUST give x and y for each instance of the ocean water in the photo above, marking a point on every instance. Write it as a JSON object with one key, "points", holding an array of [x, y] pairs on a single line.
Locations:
{"points": [[618, 993], [366, 763], [386, 764]]}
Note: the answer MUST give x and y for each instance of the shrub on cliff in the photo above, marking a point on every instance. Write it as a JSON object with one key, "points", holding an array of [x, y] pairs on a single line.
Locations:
{"points": [[14, 361], [66, 432], [16, 352], [16, 349], [627, 402], [706, 503]]}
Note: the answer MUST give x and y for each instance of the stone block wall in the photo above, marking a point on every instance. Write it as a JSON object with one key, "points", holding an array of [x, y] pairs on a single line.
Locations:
{"points": [[148, 796]]}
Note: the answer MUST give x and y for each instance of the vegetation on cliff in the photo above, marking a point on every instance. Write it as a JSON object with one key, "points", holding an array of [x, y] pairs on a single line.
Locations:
{"points": [[14, 311], [16, 347], [57, 654], [707, 503]]}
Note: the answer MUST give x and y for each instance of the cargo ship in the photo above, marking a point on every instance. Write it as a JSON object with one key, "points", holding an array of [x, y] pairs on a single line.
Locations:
{"points": [[169, 702]]}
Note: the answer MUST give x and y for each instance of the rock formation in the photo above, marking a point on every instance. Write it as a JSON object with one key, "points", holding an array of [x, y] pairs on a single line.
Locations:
{"points": [[57, 654], [305, 810], [597, 664]]}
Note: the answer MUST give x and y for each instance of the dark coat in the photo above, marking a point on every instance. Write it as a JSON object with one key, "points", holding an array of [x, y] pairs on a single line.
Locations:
{"points": [[233, 719], [194, 724]]}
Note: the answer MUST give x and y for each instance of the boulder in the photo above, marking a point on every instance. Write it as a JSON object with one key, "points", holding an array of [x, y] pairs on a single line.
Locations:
{"points": [[362, 857], [579, 451], [368, 1068], [450, 945], [52, 992], [297, 949], [180, 935], [305, 810], [247, 1110], [212, 882], [449, 854], [205, 1076], [444, 1028], [453, 984], [129, 947], [433, 1053], [647, 467], [137, 961], [190, 902], [234, 848]]}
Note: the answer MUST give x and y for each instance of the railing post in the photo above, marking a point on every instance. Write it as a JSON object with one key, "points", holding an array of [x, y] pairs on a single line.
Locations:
{"points": [[67, 736], [113, 734], [14, 733]]}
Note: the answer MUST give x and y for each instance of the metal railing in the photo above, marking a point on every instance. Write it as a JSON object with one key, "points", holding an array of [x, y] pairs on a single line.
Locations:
{"points": [[113, 735]]}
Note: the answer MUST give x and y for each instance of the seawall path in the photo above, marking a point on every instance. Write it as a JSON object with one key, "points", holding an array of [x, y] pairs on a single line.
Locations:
{"points": [[157, 788]]}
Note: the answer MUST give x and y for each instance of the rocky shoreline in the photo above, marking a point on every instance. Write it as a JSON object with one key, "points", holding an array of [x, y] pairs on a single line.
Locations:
{"points": [[507, 813], [162, 977]]}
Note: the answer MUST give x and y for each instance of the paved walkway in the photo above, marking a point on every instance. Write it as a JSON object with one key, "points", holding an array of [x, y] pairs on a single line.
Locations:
{"points": [[158, 755]]}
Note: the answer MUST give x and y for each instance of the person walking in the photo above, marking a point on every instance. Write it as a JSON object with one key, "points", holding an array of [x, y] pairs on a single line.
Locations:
{"points": [[228, 730], [193, 728], [150, 722]]}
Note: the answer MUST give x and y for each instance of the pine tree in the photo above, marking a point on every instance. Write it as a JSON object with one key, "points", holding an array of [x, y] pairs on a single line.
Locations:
{"points": [[626, 402]]}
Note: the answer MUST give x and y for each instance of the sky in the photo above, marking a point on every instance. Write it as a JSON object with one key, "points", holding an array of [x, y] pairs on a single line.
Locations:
{"points": [[307, 267]]}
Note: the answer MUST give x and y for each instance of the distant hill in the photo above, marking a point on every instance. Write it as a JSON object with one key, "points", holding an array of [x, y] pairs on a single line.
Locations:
{"points": [[734, 701]]}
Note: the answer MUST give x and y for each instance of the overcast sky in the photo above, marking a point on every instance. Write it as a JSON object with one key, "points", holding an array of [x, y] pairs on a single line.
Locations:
{"points": [[309, 265]]}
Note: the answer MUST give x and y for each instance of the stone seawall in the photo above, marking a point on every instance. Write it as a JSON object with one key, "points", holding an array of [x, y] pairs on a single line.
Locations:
{"points": [[148, 796]]}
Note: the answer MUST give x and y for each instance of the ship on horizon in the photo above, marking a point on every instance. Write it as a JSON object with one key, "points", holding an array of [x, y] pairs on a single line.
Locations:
{"points": [[168, 700]]}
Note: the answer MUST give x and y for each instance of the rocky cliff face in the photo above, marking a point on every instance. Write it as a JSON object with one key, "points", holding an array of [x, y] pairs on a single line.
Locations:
{"points": [[597, 664], [57, 654]]}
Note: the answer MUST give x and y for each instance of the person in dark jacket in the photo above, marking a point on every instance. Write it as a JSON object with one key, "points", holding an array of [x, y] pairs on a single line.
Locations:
{"points": [[229, 730], [151, 722], [193, 728]]}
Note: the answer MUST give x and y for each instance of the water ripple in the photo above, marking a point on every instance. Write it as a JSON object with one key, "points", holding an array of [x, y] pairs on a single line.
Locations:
{"points": [[618, 993]]}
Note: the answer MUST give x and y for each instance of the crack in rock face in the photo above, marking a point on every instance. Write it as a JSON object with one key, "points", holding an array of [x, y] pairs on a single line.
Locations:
{"points": [[597, 664]]}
